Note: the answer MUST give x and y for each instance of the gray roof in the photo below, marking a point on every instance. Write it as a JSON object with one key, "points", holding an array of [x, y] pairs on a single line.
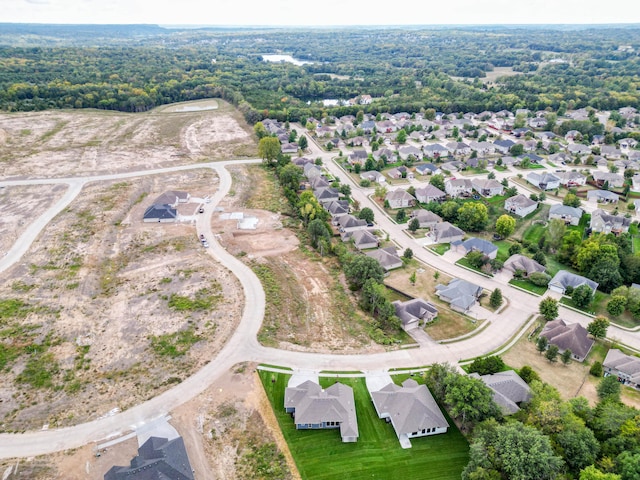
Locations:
{"points": [[626, 364], [508, 390], [462, 294], [160, 212], [314, 405], [158, 459], [604, 194], [541, 179], [480, 245], [430, 191], [388, 257], [520, 200], [414, 309], [567, 279], [349, 221], [172, 197], [608, 219], [568, 336], [363, 237], [522, 262], [411, 407], [399, 194], [445, 230], [426, 216], [565, 210]]}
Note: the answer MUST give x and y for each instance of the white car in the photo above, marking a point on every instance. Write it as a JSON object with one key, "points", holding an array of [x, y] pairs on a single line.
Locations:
{"points": [[205, 244]]}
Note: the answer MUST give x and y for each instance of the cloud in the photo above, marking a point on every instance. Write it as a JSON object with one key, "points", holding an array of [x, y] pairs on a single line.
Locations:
{"points": [[39, 2]]}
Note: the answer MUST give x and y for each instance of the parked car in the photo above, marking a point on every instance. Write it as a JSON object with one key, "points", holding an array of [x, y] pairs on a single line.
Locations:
{"points": [[201, 210], [205, 244]]}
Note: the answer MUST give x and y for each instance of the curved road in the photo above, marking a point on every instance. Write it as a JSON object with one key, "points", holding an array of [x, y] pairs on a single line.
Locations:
{"points": [[243, 345]]}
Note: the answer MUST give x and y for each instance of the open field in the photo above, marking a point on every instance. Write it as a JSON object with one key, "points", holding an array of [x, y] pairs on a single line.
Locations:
{"points": [[86, 142], [319, 454], [105, 310]]}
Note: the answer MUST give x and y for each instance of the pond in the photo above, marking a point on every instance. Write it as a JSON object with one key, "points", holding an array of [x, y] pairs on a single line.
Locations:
{"points": [[285, 58]]}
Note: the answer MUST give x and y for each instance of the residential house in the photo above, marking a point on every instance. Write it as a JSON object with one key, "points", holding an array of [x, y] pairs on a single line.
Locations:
{"points": [[509, 390], [385, 154], [573, 136], [487, 187], [483, 148], [326, 194], [571, 179], [313, 407], [411, 410], [410, 151], [357, 141], [453, 166], [374, 177], [521, 132], [445, 232], [602, 196], [538, 122], [365, 99], [158, 458], [522, 263], [362, 239], [337, 209], [349, 223], [603, 222], [569, 215], [544, 181], [397, 172], [533, 158], [625, 367], [503, 146], [626, 164], [415, 312], [426, 218], [301, 161], [368, 126], [388, 257], [399, 199], [564, 279], [289, 148], [160, 213], [610, 152], [435, 150], [318, 182], [578, 148], [627, 143], [475, 244], [458, 148], [613, 180], [568, 336], [429, 193], [173, 198], [635, 182], [460, 294], [311, 170], [520, 205], [560, 157], [358, 156], [386, 126], [458, 187], [428, 169], [598, 140]]}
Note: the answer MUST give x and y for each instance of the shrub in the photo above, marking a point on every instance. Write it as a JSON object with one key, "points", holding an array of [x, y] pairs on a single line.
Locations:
{"points": [[539, 279], [596, 369], [487, 365]]}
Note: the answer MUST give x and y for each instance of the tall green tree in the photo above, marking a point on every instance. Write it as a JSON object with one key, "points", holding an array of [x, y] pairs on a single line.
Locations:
{"points": [[609, 389], [505, 225], [514, 451], [582, 296], [470, 400], [495, 300], [548, 308], [317, 230], [473, 216], [269, 148], [303, 143], [362, 268], [437, 181], [598, 327]]}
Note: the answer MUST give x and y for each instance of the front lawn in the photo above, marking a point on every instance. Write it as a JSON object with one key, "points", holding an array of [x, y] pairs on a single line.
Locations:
{"points": [[440, 248], [320, 454], [527, 285]]}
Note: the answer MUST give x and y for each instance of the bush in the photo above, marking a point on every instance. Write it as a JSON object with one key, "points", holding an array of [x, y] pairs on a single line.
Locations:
{"points": [[596, 369], [487, 365], [539, 279], [528, 374]]}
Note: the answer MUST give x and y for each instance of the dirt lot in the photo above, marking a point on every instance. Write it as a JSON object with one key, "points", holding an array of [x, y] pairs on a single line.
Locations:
{"points": [[95, 292], [19, 205], [309, 308], [221, 428], [62, 143]]}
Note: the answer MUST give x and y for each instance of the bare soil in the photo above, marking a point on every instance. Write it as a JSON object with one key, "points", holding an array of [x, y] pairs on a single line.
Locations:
{"points": [[71, 143], [19, 205], [220, 428]]}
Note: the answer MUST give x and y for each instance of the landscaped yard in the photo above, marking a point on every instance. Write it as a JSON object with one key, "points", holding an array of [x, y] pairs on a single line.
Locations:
{"points": [[527, 285], [441, 248], [320, 454]]}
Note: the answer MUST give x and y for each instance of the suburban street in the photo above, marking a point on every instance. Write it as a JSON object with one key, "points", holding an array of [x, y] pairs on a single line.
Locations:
{"points": [[244, 346]]}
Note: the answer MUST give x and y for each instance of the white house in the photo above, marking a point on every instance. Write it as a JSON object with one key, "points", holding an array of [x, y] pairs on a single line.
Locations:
{"points": [[520, 205]]}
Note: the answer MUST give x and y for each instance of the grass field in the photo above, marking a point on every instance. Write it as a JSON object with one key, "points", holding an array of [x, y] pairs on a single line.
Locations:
{"points": [[527, 285], [320, 454]]}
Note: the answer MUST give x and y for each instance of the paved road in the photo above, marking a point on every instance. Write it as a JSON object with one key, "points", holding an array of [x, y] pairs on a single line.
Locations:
{"points": [[243, 345]]}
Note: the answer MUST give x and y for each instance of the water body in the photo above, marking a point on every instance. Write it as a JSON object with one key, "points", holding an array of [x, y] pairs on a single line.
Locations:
{"points": [[284, 58]]}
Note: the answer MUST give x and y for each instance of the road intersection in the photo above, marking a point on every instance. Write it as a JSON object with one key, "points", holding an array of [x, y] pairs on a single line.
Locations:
{"points": [[243, 345]]}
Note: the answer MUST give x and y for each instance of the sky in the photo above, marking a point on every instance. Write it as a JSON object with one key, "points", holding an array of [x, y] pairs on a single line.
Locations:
{"points": [[323, 12]]}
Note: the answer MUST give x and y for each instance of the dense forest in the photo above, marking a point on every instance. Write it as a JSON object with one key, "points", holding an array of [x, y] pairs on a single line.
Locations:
{"points": [[135, 68]]}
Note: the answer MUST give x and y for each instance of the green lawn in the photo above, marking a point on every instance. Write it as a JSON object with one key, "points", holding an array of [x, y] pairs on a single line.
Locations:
{"points": [[441, 248], [319, 454], [527, 285]]}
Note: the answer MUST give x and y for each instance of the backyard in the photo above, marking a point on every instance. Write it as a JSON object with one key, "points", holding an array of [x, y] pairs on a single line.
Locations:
{"points": [[319, 454]]}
